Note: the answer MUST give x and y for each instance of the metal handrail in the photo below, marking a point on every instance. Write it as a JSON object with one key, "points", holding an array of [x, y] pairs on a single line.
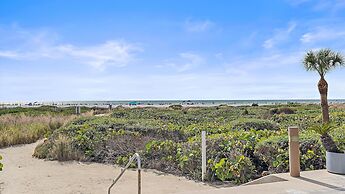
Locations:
{"points": [[135, 156]]}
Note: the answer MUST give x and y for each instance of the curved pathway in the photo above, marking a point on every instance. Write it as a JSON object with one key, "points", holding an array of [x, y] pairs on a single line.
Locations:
{"points": [[24, 174]]}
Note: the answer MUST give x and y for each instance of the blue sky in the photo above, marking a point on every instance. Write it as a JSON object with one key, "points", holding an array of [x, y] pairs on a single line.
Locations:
{"points": [[171, 49]]}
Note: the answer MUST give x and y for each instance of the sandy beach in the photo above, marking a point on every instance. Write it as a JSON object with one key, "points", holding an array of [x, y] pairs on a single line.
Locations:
{"points": [[24, 174]]}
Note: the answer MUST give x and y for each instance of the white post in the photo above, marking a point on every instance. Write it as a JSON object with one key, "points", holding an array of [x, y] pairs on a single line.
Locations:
{"points": [[203, 155], [77, 110]]}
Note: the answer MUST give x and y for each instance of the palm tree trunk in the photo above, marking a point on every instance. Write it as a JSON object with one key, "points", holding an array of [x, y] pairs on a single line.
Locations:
{"points": [[326, 139], [323, 89]]}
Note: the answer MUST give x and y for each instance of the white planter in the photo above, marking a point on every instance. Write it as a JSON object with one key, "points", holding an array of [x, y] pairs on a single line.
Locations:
{"points": [[335, 162]]}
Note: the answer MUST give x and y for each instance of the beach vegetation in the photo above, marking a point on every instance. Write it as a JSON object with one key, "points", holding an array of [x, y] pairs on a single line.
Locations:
{"points": [[27, 125], [240, 147]]}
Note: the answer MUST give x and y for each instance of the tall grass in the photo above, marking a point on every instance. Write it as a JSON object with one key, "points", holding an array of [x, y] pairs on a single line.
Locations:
{"points": [[21, 129], [62, 150]]}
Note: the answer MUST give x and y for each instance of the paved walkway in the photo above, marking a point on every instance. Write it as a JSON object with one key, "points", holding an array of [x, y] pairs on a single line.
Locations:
{"points": [[310, 182]]}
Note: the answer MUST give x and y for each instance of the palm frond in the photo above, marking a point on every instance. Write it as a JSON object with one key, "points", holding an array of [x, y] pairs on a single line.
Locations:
{"points": [[310, 61], [322, 61], [323, 128]]}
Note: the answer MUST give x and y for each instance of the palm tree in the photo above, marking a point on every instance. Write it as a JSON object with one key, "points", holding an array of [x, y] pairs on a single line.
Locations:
{"points": [[322, 61]]}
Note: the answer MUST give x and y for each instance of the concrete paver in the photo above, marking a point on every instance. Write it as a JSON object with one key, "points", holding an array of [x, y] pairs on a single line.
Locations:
{"points": [[310, 182]]}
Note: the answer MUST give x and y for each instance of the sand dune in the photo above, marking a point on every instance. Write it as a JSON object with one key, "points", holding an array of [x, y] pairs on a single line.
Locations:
{"points": [[24, 174]]}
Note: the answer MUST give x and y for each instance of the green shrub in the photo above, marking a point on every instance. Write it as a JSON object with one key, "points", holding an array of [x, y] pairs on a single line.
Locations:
{"points": [[239, 170], [337, 118], [274, 152], [161, 155], [189, 159], [240, 147], [304, 121], [230, 155], [256, 124], [283, 110], [42, 150], [176, 107]]}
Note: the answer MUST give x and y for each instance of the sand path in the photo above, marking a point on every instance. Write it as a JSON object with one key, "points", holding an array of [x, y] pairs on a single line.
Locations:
{"points": [[24, 174]]}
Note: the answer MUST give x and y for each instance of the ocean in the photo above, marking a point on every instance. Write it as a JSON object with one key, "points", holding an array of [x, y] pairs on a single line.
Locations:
{"points": [[173, 102]]}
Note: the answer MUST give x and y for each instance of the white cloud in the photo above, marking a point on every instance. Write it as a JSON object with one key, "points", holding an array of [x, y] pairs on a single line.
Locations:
{"points": [[8, 54], [248, 66], [322, 34], [331, 6], [198, 26], [297, 2], [279, 36], [111, 53], [243, 80], [37, 46], [180, 86], [185, 61], [219, 56]]}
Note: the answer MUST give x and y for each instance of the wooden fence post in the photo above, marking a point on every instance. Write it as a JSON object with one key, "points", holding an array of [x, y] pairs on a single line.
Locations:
{"points": [[294, 155]]}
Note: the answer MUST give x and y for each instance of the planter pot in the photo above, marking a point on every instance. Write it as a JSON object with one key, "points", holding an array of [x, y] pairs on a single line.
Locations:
{"points": [[335, 162]]}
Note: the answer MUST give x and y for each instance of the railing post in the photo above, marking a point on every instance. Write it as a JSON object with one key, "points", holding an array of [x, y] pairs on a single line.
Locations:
{"points": [[294, 155], [137, 157], [203, 155], [139, 172], [139, 181]]}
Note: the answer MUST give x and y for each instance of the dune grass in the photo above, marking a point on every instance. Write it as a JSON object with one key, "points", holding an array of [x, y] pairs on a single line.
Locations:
{"points": [[21, 128], [61, 150], [42, 110], [26, 125]]}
